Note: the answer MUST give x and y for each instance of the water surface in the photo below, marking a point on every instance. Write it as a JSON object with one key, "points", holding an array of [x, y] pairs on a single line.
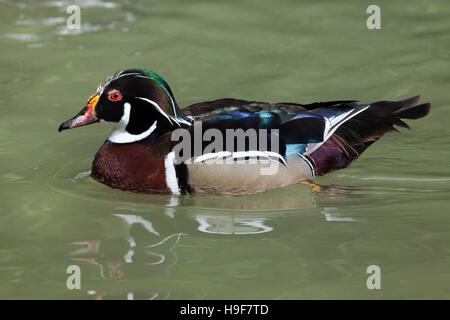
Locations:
{"points": [[390, 208]]}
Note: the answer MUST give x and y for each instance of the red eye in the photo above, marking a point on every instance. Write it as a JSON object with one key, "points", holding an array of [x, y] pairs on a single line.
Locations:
{"points": [[115, 96]]}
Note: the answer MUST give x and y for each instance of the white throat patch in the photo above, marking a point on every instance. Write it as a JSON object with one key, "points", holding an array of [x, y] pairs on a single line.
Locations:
{"points": [[120, 134]]}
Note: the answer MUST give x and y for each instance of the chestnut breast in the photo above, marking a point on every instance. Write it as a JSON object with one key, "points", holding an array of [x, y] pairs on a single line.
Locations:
{"points": [[134, 167]]}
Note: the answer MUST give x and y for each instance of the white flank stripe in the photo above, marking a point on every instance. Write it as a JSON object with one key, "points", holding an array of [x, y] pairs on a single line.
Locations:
{"points": [[256, 153], [171, 176], [240, 154], [208, 156]]}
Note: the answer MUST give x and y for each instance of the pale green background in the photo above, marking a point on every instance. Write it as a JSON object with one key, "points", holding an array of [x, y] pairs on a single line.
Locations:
{"points": [[290, 243]]}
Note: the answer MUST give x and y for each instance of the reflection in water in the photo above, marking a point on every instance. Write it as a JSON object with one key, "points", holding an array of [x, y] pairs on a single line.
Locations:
{"points": [[170, 210], [232, 224], [106, 254], [332, 216], [123, 257], [144, 249], [130, 220]]}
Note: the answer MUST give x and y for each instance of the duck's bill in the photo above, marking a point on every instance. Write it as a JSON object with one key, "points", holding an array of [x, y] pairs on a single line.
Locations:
{"points": [[84, 117]]}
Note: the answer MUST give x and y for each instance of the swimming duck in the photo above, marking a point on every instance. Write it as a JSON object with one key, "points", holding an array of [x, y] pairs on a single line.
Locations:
{"points": [[295, 141]]}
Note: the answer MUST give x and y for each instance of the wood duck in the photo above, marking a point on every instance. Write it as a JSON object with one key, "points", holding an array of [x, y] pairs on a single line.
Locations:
{"points": [[311, 139]]}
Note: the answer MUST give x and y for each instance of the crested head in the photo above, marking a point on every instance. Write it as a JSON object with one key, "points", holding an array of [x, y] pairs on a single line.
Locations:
{"points": [[137, 102]]}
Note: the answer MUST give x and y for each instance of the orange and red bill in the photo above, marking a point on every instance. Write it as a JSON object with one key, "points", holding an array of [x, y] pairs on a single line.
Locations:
{"points": [[84, 117]]}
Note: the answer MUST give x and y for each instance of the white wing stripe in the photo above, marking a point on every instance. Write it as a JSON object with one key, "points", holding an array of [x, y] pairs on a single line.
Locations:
{"points": [[331, 125]]}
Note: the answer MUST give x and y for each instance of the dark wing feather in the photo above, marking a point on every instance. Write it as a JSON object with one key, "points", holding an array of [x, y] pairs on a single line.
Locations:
{"points": [[381, 117], [315, 105], [206, 107], [203, 109], [237, 117], [358, 133]]}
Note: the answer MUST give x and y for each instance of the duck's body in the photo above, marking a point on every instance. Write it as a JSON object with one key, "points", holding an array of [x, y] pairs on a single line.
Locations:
{"points": [[134, 168], [141, 154]]}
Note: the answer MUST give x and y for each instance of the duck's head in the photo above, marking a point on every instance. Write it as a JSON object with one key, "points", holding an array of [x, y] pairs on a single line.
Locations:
{"points": [[137, 102]]}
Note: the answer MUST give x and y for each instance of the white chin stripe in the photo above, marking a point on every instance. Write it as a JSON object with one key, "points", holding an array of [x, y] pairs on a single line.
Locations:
{"points": [[120, 135], [171, 175]]}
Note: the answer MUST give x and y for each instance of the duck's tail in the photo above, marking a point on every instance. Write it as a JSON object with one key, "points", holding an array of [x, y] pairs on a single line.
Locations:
{"points": [[358, 133]]}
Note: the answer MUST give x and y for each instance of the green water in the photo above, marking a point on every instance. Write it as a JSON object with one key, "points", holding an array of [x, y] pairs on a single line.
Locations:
{"points": [[390, 208]]}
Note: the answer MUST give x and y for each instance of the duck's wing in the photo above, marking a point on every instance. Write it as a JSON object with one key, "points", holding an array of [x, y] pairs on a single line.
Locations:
{"points": [[202, 109], [198, 110], [211, 131], [297, 128]]}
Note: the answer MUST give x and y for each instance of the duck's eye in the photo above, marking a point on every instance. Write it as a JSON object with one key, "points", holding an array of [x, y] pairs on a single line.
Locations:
{"points": [[114, 96]]}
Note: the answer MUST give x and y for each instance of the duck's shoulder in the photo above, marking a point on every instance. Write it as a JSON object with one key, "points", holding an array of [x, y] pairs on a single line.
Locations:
{"points": [[206, 107], [210, 109]]}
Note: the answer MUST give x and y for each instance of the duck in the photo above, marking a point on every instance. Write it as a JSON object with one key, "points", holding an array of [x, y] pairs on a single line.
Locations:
{"points": [[226, 146]]}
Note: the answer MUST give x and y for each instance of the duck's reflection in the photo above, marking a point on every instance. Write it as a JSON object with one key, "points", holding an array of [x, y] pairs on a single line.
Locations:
{"points": [[141, 251], [221, 224], [145, 241], [106, 254]]}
